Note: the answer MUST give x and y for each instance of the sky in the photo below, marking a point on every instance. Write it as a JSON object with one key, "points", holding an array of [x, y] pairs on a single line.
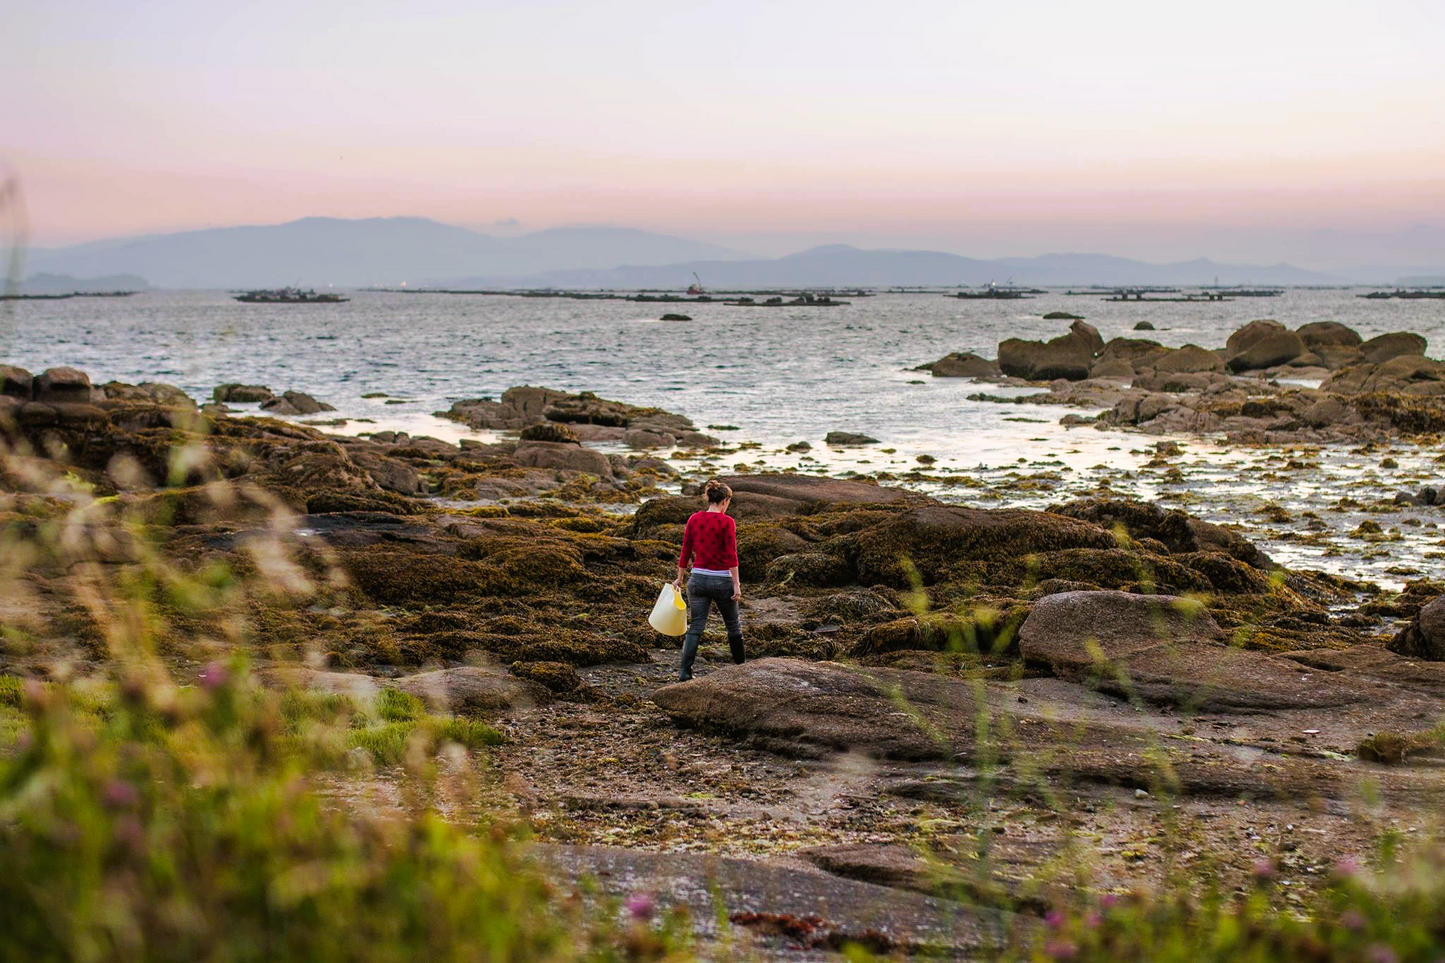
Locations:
{"points": [[1308, 131]]}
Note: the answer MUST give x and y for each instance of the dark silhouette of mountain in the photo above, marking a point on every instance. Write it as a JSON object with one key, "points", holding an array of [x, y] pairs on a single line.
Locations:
{"points": [[841, 266], [318, 251]]}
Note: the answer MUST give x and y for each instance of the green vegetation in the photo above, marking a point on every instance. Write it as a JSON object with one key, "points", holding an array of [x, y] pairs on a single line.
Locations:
{"points": [[181, 825], [1359, 918]]}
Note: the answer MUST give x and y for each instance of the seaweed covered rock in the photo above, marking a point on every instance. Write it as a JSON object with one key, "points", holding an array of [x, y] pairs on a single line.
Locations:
{"points": [[1174, 529], [549, 431], [241, 394], [1424, 637], [556, 677], [981, 629], [937, 541], [809, 570], [760, 544]]}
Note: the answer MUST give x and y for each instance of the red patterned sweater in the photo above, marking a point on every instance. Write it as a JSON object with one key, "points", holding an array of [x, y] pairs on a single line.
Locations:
{"points": [[713, 536]]}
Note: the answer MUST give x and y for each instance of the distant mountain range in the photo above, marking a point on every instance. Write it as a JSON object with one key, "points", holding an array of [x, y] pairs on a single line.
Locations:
{"points": [[838, 265], [321, 251], [51, 284]]}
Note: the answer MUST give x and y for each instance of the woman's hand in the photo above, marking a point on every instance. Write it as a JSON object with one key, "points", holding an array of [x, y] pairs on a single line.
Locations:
{"points": [[737, 592], [677, 585]]}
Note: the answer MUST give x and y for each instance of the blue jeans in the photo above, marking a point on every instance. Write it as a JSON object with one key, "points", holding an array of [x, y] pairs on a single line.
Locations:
{"points": [[702, 592]]}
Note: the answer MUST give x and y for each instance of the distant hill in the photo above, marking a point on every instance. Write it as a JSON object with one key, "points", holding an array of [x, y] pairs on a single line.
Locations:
{"points": [[66, 284], [841, 266], [320, 251]]}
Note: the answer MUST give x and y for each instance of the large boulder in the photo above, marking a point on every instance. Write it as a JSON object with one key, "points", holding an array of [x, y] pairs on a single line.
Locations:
{"points": [[1137, 352], [1328, 334], [1424, 637], [777, 494], [1278, 348], [564, 456], [1068, 356], [1336, 357], [527, 405], [1168, 650], [1403, 374], [16, 382], [63, 386], [1386, 346], [1246, 336], [813, 708], [1190, 359], [391, 474], [529, 402]]}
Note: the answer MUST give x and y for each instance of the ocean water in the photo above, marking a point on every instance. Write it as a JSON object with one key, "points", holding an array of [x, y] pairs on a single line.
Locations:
{"points": [[780, 375]]}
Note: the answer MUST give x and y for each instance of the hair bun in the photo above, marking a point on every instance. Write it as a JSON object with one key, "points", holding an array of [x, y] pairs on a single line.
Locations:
{"points": [[716, 491]]}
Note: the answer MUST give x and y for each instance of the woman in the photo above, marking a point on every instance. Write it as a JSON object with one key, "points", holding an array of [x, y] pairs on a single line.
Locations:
{"points": [[712, 538]]}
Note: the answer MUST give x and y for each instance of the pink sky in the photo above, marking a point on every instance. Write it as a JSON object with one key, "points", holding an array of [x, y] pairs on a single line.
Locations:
{"points": [[1289, 130]]}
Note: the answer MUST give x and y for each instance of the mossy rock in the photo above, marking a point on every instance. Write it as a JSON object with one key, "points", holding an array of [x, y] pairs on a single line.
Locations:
{"points": [[1108, 568], [1226, 574], [982, 629], [759, 543], [931, 540], [662, 513], [415, 579], [558, 677], [564, 645], [862, 605], [549, 431], [439, 621], [809, 570], [327, 502]]}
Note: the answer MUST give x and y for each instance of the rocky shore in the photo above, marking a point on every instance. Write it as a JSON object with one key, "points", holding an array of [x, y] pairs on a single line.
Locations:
{"points": [[1253, 390], [953, 713]]}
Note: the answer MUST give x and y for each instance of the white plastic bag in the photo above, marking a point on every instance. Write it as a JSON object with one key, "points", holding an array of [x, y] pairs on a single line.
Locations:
{"points": [[669, 615]]}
